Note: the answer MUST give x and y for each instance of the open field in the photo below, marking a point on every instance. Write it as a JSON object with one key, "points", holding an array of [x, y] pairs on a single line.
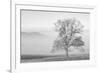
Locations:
{"points": [[39, 58]]}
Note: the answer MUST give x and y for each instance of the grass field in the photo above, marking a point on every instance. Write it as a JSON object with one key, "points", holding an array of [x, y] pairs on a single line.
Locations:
{"points": [[39, 58], [37, 46]]}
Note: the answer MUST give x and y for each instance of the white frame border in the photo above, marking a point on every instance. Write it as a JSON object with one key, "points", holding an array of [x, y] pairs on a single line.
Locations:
{"points": [[17, 67]]}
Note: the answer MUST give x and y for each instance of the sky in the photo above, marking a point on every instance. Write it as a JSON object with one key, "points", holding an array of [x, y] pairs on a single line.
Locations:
{"points": [[36, 21], [43, 22]]}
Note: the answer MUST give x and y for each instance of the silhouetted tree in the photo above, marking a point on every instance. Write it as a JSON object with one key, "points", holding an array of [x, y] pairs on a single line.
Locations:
{"points": [[69, 31]]}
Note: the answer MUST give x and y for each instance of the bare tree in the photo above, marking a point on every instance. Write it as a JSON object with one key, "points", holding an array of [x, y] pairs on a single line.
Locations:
{"points": [[69, 34]]}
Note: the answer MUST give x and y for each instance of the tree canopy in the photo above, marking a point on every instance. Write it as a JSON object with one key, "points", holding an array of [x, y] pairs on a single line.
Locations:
{"points": [[68, 30]]}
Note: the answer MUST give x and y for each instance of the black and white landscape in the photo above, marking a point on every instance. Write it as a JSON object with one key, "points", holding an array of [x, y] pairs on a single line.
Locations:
{"points": [[54, 36]]}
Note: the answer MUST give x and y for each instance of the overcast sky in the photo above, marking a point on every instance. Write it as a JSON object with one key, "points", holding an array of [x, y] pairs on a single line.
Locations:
{"points": [[36, 21]]}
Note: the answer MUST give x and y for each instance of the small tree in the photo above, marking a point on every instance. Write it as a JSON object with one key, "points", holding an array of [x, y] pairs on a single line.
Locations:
{"points": [[69, 31]]}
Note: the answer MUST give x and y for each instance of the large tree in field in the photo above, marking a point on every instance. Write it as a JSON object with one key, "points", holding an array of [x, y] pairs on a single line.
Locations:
{"points": [[69, 34]]}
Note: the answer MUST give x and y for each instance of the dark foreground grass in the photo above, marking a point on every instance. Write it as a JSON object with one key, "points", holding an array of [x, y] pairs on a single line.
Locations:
{"points": [[39, 58]]}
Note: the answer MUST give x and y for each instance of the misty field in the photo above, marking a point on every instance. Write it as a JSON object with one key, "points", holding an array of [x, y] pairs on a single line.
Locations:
{"points": [[36, 47], [39, 58]]}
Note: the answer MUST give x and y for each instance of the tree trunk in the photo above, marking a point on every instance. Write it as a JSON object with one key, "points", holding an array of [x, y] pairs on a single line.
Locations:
{"points": [[67, 55]]}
